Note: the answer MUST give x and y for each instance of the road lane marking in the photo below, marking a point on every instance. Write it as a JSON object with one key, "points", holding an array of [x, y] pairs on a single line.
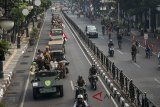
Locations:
{"points": [[137, 65], [72, 86], [157, 80], [27, 83], [120, 52], [89, 61]]}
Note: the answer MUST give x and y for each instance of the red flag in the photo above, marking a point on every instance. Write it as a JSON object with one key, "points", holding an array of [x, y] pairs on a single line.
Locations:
{"points": [[50, 34], [65, 36]]}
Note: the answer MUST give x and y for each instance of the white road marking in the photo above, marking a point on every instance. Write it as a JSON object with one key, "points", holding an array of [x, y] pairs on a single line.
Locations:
{"points": [[137, 65], [72, 86], [27, 83], [120, 52], [25, 47], [90, 63], [157, 80]]}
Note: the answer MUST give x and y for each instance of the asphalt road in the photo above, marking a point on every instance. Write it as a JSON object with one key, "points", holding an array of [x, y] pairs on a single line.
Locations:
{"points": [[79, 65], [145, 72]]}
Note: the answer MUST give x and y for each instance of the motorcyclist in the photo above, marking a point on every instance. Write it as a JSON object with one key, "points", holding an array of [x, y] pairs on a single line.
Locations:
{"points": [[134, 52], [110, 44], [92, 71], [80, 83], [148, 51], [80, 102]]}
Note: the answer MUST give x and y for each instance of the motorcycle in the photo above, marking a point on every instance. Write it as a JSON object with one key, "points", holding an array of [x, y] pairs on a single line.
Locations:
{"points": [[111, 51], [82, 91], [81, 105], [93, 80]]}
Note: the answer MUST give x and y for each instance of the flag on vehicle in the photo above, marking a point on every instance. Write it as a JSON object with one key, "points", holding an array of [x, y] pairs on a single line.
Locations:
{"points": [[50, 34], [63, 25], [65, 36]]}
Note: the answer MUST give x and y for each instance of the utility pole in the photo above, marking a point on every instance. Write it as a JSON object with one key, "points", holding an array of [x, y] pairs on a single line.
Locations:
{"points": [[118, 11]]}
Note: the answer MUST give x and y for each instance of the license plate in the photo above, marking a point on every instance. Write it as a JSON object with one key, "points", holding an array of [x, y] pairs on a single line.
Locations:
{"points": [[47, 90]]}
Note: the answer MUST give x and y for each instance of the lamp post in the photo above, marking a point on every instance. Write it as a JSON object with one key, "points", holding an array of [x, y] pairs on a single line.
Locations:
{"points": [[7, 25]]}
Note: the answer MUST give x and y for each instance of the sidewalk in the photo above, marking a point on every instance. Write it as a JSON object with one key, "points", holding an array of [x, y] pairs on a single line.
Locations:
{"points": [[11, 61]]}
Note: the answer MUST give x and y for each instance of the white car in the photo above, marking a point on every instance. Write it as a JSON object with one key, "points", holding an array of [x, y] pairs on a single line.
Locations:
{"points": [[91, 31]]}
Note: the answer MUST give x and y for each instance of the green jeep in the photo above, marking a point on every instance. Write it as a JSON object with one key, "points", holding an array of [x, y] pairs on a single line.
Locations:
{"points": [[47, 82]]}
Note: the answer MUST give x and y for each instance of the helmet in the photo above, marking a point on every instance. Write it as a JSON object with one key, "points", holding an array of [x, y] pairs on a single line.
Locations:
{"points": [[33, 63], [80, 96], [79, 77], [47, 47], [110, 40]]}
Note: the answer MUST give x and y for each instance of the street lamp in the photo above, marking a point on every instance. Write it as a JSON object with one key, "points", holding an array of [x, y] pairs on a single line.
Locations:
{"points": [[7, 25]]}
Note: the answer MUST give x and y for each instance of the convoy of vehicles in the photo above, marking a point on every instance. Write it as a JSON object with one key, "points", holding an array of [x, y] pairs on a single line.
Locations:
{"points": [[49, 81]]}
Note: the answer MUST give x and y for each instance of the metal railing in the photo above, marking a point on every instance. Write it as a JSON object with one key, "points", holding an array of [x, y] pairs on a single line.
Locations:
{"points": [[126, 85]]}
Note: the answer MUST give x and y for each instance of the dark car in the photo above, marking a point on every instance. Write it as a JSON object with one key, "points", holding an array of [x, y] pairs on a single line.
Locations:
{"points": [[91, 31]]}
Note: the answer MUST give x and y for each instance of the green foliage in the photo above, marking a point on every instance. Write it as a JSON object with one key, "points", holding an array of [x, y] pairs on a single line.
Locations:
{"points": [[34, 33], [2, 104], [46, 3], [4, 46], [16, 13]]}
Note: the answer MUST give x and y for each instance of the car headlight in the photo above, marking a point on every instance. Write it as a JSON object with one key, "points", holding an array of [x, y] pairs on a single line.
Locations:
{"points": [[35, 84]]}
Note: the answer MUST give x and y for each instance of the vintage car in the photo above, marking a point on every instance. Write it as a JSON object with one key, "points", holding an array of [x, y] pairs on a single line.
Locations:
{"points": [[47, 82], [57, 49], [57, 34]]}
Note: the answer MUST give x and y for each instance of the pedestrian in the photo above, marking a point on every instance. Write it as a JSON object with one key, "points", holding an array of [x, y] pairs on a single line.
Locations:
{"points": [[103, 29], [113, 70], [131, 91], [121, 79], [137, 45]]}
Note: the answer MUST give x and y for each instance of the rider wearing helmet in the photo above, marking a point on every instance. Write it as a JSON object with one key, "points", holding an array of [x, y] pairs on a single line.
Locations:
{"points": [[93, 70], [80, 101], [110, 44], [80, 81]]}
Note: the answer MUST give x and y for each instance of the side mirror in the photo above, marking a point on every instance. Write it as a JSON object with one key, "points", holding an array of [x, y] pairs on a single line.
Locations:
{"points": [[32, 81]]}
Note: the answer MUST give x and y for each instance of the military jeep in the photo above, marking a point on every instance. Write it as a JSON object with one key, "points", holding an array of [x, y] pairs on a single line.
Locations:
{"points": [[47, 82]]}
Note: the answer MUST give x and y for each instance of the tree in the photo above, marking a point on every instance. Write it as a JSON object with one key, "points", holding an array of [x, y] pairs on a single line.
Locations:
{"points": [[4, 46]]}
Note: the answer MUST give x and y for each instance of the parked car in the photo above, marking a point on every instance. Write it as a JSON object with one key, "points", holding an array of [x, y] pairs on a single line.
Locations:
{"points": [[91, 31]]}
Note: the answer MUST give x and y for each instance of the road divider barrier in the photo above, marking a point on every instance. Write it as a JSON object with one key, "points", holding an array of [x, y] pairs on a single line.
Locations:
{"points": [[133, 95]]}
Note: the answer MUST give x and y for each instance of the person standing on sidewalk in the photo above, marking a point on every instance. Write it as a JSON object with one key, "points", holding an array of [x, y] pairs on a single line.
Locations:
{"points": [[119, 39], [137, 45], [134, 52], [110, 29], [103, 29]]}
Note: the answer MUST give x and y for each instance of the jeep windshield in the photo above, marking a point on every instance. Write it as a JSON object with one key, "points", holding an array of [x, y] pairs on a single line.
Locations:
{"points": [[46, 74], [57, 32]]}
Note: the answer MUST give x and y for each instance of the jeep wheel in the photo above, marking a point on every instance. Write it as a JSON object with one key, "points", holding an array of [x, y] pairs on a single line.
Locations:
{"points": [[61, 91], [35, 94]]}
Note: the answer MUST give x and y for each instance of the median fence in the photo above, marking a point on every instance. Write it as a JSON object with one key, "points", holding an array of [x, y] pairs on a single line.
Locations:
{"points": [[135, 96]]}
